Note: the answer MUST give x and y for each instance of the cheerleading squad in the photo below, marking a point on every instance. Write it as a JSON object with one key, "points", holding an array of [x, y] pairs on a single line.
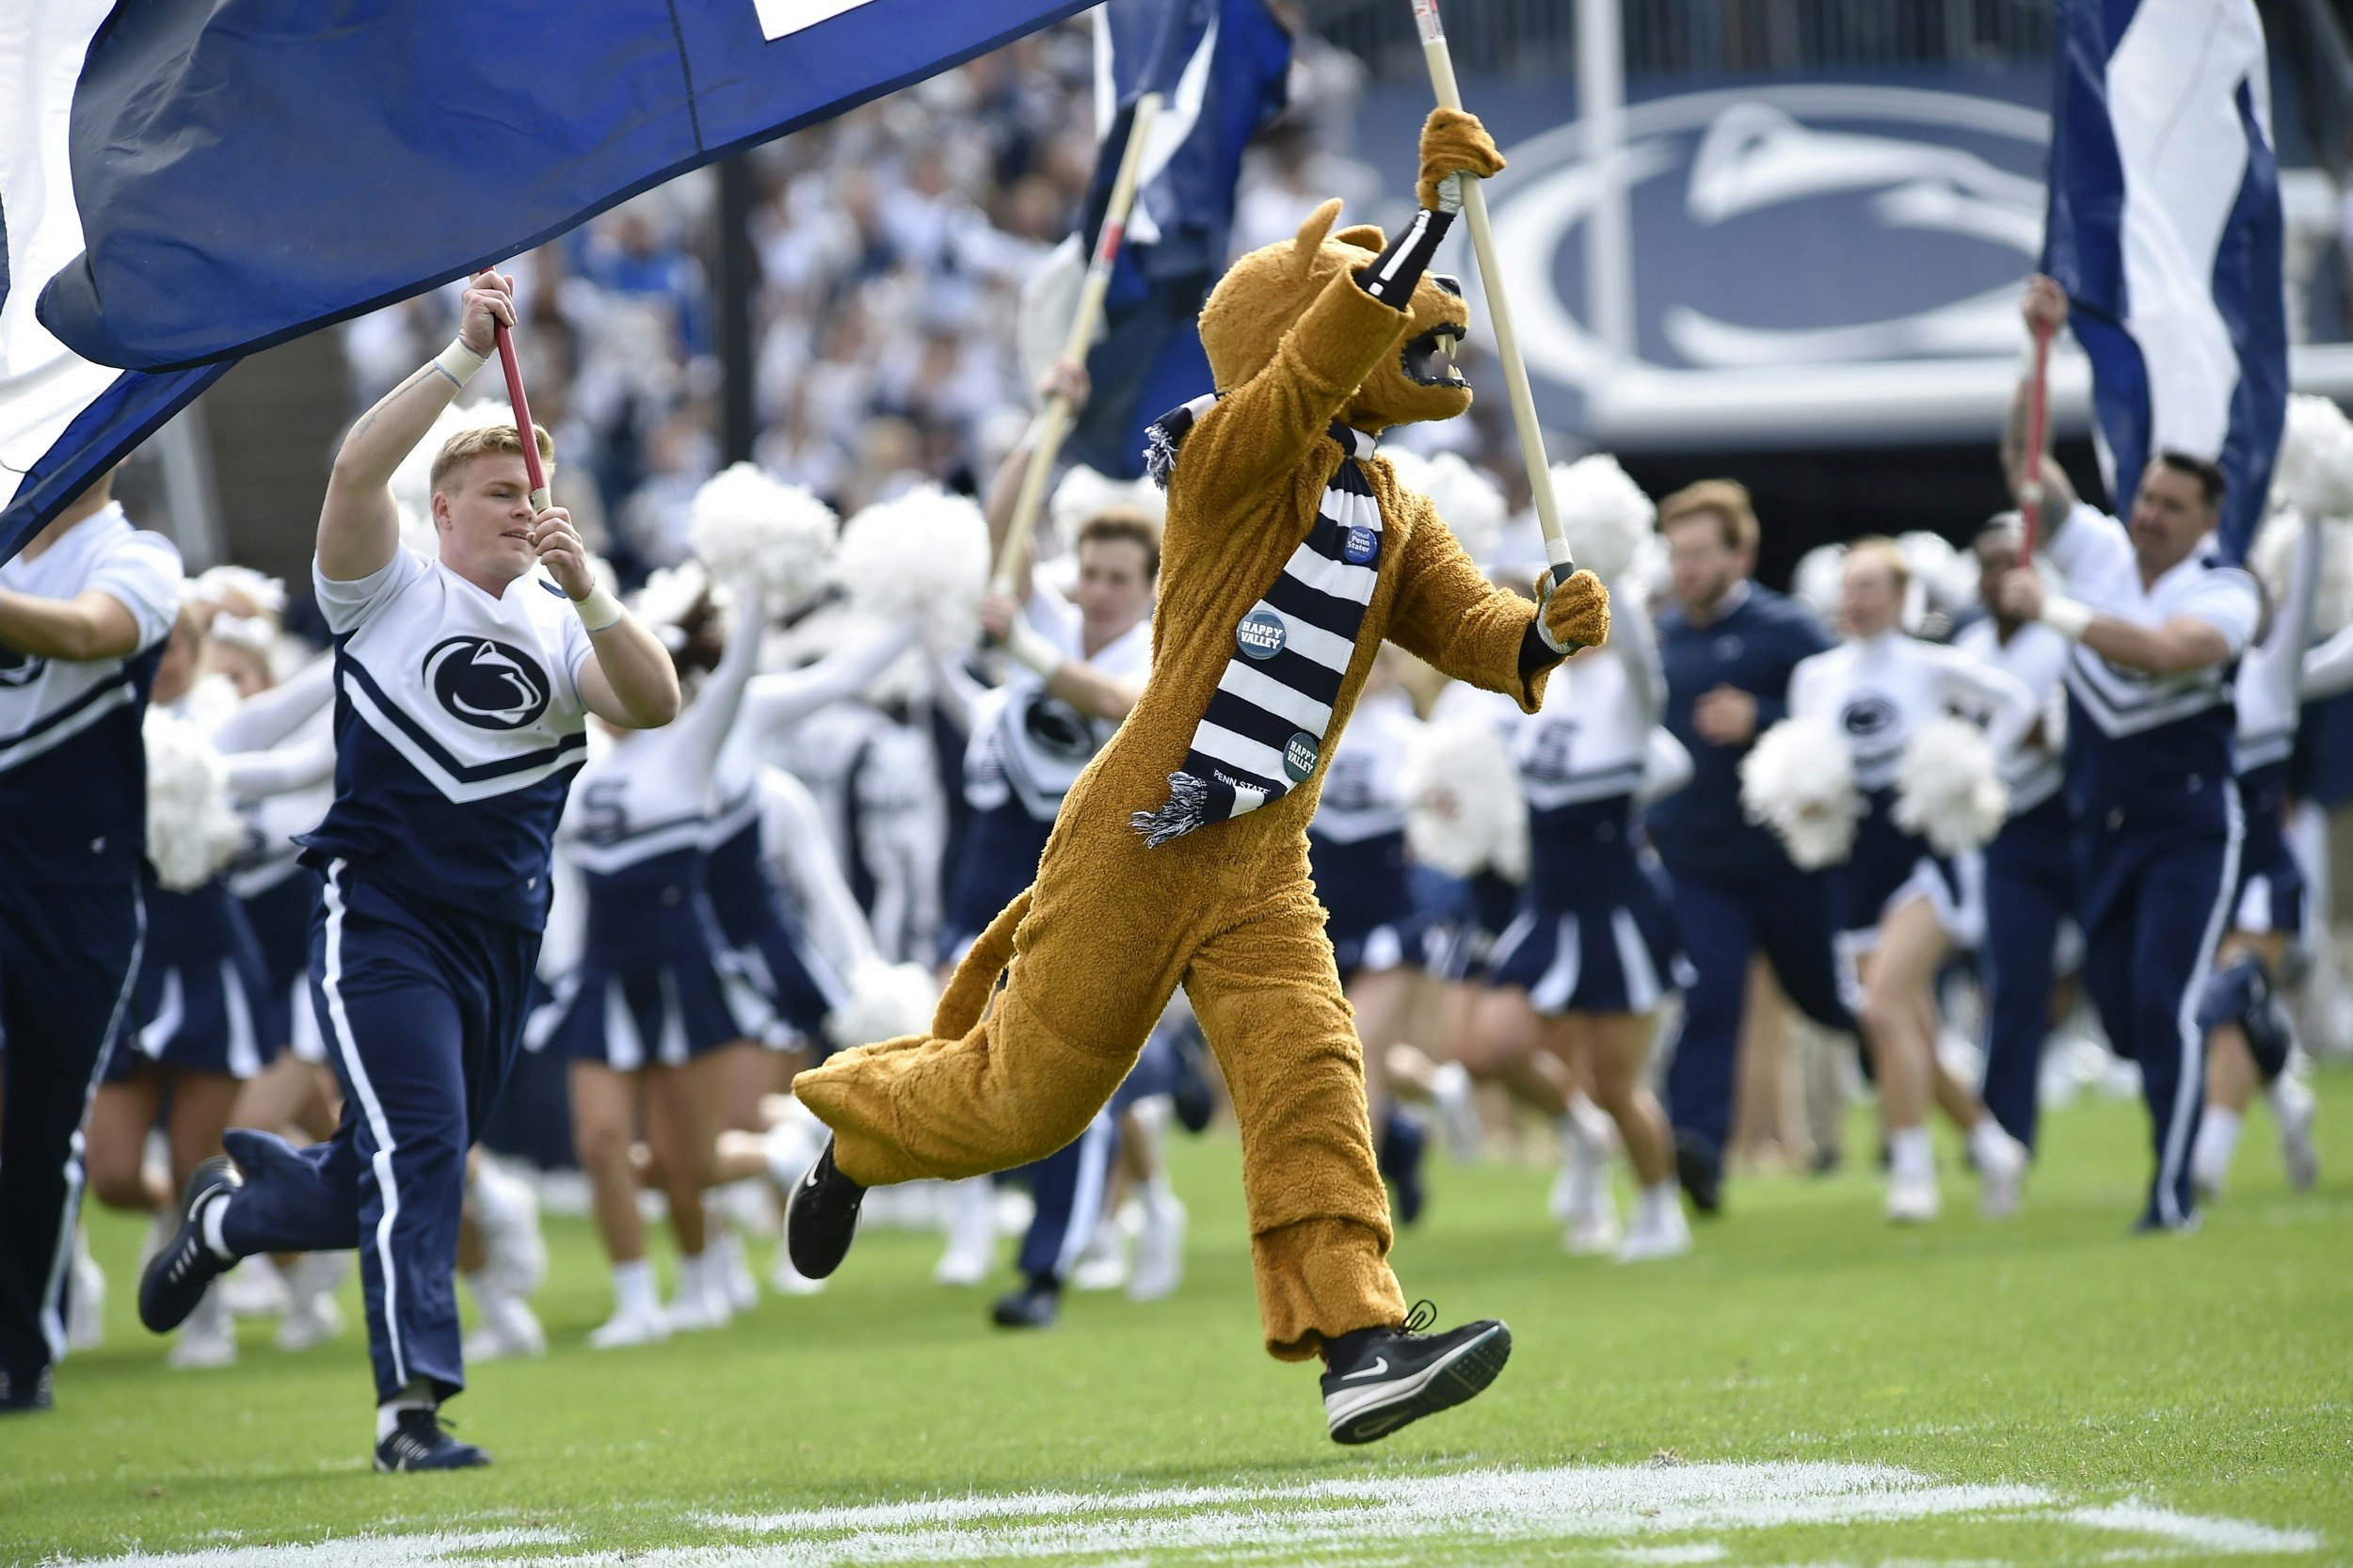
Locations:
{"points": [[859, 760]]}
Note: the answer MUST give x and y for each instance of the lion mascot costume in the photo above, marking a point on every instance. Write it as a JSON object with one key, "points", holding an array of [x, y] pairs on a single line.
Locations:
{"points": [[1180, 855]]}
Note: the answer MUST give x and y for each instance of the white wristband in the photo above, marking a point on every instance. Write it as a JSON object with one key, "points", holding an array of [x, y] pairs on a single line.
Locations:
{"points": [[459, 362], [599, 611], [2068, 617], [1028, 645]]}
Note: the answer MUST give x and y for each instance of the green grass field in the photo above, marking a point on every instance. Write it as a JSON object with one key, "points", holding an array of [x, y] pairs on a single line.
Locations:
{"points": [[1811, 1387]]}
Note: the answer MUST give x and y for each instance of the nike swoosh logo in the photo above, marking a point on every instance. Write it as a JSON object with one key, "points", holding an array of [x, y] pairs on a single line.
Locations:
{"points": [[1380, 1366]]}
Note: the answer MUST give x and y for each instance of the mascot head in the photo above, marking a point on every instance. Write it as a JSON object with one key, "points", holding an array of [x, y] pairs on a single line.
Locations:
{"points": [[1261, 294]]}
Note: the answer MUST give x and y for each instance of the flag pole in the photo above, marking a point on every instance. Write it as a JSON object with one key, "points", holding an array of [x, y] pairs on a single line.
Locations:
{"points": [[1441, 63], [538, 474], [1053, 422], [2038, 416]]}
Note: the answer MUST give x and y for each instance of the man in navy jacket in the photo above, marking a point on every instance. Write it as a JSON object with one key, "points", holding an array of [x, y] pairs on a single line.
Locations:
{"points": [[1728, 646]]}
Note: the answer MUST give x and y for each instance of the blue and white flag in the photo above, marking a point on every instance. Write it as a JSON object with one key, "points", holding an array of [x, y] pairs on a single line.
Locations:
{"points": [[63, 419], [1222, 67], [191, 180], [2165, 229]]}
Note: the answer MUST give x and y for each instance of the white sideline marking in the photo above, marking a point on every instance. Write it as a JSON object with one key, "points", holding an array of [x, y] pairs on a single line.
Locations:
{"points": [[1342, 1519]]}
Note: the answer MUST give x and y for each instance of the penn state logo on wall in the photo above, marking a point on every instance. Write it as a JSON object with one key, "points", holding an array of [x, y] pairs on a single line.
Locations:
{"points": [[487, 683], [20, 669]]}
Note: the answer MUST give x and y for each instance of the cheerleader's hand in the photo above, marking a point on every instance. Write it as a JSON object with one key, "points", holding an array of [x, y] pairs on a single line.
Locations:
{"points": [[1571, 615]]}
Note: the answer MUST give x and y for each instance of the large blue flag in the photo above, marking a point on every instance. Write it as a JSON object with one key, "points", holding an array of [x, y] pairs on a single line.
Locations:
{"points": [[197, 179], [2165, 229], [1222, 66]]}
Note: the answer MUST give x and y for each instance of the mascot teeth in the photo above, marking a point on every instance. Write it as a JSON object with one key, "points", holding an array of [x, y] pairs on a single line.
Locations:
{"points": [[1429, 358]]}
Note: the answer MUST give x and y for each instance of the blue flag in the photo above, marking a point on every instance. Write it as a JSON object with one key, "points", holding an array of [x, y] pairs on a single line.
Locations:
{"points": [[199, 179], [2166, 230], [1222, 66]]}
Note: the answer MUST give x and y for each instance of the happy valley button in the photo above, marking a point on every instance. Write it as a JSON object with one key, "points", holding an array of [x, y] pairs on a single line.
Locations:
{"points": [[1359, 545], [1260, 635], [1299, 756]]}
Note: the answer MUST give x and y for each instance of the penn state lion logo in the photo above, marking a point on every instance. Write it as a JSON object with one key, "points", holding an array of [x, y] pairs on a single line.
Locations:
{"points": [[1058, 729], [1868, 716], [20, 669], [487, 683]]}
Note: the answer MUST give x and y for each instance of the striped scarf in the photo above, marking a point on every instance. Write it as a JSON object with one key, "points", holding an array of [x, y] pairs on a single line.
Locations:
{"points": [[1270, 716]]}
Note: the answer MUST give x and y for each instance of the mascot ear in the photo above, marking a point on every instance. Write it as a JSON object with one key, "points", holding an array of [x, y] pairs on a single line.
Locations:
{"points": [[1310, 240], [1367, 235]]}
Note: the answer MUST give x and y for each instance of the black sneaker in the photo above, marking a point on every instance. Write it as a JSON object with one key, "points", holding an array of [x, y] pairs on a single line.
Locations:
{"points": [[820, 1218], [175, 1278], [1036, 1305], [1702, 1177], [420, 1443], [1396, 1376], [23, 1395]]}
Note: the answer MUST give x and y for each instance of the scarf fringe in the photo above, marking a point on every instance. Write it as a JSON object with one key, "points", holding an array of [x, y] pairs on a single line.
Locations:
{"points": [[1160, 454], [1186, 810]]}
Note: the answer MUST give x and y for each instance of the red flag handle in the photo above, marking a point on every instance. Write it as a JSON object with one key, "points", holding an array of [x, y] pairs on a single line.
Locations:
{"points": [[522, 416], [2038, 419]]}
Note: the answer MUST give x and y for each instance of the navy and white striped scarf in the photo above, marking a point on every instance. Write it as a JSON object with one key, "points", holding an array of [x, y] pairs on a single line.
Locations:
{"points": [[1268, 720]]}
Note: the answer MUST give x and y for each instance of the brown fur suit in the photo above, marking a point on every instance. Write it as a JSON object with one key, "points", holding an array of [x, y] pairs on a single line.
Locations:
{"points": [[1110, 928]]}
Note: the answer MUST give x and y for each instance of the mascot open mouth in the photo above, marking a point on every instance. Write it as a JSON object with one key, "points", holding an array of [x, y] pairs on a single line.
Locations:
{"points": [[1429, 358]]}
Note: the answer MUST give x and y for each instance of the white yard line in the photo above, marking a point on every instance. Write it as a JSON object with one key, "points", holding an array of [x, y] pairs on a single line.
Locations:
{"points": [[1357, 1519]]}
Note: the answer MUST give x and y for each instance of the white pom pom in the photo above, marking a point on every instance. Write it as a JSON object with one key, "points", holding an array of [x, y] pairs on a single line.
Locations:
{"points": [[2273, 559], [1083, 493], [887, 1001], [227, 585], [922, 557], [1466, 811], [1820, 582], [2313, 473], [1949, 789], [1948, 576], [753, 529], [1799, 780], [1467, 499], [191, 831], [1604, 514], [670, 595]]}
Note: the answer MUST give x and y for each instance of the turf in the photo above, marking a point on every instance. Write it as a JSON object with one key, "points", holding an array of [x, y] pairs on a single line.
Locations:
{"points": [[1809, 1388]]}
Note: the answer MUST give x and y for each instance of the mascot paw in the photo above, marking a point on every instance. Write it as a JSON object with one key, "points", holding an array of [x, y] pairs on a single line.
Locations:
{"points": [[1453, 143], [1573, 614]]}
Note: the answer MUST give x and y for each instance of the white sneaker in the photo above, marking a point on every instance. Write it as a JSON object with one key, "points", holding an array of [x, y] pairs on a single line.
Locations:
{"points": [[208, 1338], [1658, 1232], [1102, 1263], [2001, 1167], [508, 1330], [736, 1273], [624, 1329], [1159, 1250], [252, 1288], [85, 1317], [2295, 1106], [785, 1280], [701, 1303], [972, 1234], [1455, 1098], [1913, 1200], [313, 1314], [1594, 1230]]}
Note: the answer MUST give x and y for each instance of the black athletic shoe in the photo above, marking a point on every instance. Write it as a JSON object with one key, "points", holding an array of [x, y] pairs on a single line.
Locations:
{"points": [[1396, 1376], [1036, 1305], [419, 1443], [24, 1396], [176, 1277], [820, 1218], [1703, 1178]]}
